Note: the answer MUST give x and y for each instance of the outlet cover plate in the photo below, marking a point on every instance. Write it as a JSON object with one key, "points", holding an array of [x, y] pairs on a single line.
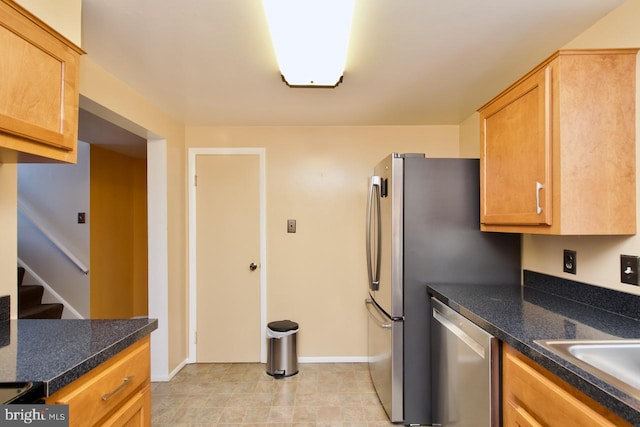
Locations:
{"points": [[569, 261], [629, 266]]}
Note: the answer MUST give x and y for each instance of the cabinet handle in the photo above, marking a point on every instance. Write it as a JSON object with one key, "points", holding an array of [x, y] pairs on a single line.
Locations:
{"points": [[125, 381], [539, 187]]}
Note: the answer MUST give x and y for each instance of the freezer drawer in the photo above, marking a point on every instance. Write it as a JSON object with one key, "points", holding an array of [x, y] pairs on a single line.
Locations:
{"points": [[465, 371], [385, 365]]}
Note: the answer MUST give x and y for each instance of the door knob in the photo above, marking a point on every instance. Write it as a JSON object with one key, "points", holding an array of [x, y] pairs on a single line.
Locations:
{"points": [[253, 266]]}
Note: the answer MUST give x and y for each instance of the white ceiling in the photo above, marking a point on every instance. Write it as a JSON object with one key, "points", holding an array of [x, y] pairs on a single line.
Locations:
{"points": [[411, 62]]}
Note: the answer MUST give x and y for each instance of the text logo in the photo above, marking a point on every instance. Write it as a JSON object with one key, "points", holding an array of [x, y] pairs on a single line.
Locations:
{"points": [[34, 415]]}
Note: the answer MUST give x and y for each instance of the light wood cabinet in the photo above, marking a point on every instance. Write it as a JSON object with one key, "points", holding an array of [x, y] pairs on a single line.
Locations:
{"points": [[115, 393], [39, 87], [533, 397], [558, 148], [136, 412]]}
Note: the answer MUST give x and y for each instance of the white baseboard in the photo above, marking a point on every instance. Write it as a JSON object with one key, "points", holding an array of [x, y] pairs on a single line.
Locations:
{"points": [[166, 378], [332, 359], [338, 359]]}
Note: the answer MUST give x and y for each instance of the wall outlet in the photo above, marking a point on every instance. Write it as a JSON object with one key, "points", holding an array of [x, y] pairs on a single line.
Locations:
{"points": [[629, 266], [291, 226], [569, 261]]}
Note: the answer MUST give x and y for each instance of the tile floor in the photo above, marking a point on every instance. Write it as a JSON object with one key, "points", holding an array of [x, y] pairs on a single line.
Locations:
{"points": [[242, 394]]}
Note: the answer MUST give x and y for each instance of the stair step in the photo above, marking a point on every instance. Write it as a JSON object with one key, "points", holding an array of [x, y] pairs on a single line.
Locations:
{"points": [[42, 311], [29, 296], [30, 301], [21, 272]]}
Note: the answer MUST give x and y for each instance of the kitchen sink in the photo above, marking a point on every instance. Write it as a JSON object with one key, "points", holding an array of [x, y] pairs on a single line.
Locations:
{"points": [[616, 362]]}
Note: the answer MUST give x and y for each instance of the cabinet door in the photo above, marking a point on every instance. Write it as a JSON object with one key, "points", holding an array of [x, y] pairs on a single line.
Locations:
{"points": [[39, 87], [517, 416], [515, 154], [533, 397], [107, 388], [136, 412]]}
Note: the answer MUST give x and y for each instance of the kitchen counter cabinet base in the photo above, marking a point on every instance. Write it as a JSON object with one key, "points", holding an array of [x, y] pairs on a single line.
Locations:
{"points": [[136, 412], [547, 307], [117, 391], [534, 397]]}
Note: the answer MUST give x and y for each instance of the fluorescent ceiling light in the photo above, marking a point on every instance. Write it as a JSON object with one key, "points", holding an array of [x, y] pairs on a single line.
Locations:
{"points": [[310, 38]]}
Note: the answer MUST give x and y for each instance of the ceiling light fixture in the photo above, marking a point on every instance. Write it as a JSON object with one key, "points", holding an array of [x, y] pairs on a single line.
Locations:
{"points": [[310, 38]]}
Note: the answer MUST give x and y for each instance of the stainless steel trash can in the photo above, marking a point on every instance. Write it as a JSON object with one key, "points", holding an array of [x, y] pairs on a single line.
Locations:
{"points": [[282, 356]]}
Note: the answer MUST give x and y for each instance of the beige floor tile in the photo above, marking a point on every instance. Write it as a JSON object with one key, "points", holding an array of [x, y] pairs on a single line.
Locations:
{"points": [[243, 395]]}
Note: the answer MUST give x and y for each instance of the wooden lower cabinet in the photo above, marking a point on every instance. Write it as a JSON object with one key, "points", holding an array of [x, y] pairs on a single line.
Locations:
{"points": [[134, 413], [116, 393], [532, 397]]}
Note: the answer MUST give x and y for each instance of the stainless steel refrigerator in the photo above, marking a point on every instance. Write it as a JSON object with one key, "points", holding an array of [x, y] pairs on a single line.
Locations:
{"points": [[423, 226]]}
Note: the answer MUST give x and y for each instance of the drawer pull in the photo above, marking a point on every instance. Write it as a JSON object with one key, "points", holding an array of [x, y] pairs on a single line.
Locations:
{"points": [[125, 381], [539, 187]]}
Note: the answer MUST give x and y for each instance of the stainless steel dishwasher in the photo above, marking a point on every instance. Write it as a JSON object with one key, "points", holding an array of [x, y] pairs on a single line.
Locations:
{"points": [[465, 371]]}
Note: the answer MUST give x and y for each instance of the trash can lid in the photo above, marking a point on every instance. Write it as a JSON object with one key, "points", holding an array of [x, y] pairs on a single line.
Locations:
{"points": [[282, 325]]}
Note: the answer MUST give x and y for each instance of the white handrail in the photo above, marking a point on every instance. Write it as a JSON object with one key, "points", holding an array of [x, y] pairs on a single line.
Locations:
{"points": [[45, 229]]}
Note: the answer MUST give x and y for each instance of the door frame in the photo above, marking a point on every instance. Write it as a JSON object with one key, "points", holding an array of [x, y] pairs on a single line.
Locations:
{"points": [[192, 233]]}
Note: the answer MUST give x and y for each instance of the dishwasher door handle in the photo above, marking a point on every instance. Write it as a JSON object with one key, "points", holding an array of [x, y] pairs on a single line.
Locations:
{"points": [[455, 329]]}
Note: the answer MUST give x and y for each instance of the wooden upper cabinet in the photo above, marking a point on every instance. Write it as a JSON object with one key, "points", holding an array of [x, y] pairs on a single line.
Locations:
{"points": [[558, 148], [516, 155], [39, 89]]}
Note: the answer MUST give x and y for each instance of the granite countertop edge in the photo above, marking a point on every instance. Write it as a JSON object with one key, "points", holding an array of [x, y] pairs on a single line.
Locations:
{"points": [[64, 349], [56, 383], [616, 400]]}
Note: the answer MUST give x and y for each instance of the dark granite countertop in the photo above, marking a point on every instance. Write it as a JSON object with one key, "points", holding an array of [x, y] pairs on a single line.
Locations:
{"points": [[543, 309], [53, 353]]}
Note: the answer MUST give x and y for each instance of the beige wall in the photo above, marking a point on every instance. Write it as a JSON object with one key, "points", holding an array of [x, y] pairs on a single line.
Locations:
{"points": [[470, 137], [332, 161], [318, 176], [110, 98], [8, 243], [64, 16], [140, 239], [598, 256]]}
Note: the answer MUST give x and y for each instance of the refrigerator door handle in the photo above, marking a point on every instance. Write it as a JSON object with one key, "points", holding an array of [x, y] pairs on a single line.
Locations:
{"points": [[374, 193], [369, 303]]}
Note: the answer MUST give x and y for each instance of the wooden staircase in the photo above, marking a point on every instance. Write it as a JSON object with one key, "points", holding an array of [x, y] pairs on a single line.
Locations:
{"points": [[30, 304]]}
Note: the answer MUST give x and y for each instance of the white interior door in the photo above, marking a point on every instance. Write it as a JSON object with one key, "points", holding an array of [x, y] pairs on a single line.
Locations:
{"points": [[228, 307]]}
